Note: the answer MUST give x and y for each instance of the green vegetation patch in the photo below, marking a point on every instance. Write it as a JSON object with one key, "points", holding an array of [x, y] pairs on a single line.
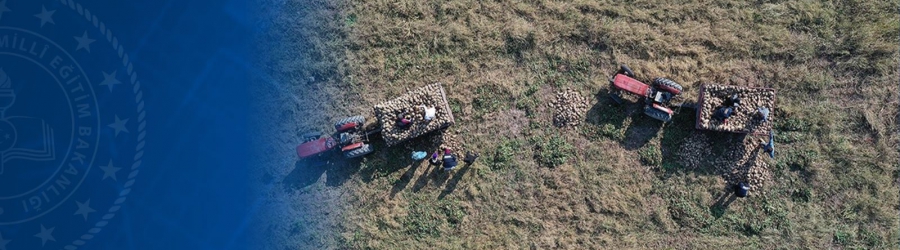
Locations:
{"points": [[427, 218], [552, 151]]}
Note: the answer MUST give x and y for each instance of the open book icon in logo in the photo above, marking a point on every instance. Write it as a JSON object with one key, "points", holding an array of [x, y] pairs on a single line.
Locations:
{"points": [[21, 138]]}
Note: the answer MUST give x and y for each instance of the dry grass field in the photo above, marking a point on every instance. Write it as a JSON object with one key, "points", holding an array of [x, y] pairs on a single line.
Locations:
{"points": [[618, 180]]}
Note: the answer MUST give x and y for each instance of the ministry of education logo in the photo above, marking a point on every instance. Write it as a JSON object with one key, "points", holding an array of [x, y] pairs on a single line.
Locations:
{"points": [[71, 124]]}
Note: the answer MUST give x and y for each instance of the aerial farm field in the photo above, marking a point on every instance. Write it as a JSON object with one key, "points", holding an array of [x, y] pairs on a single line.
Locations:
{"points": [[609, 177]]}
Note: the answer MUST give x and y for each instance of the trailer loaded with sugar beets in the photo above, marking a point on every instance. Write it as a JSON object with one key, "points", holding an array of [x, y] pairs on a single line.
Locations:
{"points": [[735, 109], [416, 113]]}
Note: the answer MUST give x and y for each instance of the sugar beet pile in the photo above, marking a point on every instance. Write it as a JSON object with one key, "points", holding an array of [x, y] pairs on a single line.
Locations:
{"points": [[411, 103], [570, 108], [743, 119], [744, 162], [693, 153], [446, 140]]}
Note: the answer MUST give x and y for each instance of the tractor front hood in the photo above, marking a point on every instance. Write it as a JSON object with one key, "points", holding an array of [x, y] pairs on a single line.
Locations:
{"points": [[315, 147], [631, 85]]}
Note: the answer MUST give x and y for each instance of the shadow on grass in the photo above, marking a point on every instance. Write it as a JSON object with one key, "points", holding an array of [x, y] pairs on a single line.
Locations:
{"points": [[640, 132], [605, 118], [404, 180], [336, 169], [305, 173], [607, 111], [338, 174], [392, 159], [722, 203], [431, 171], [453, 182], [384, 161]]}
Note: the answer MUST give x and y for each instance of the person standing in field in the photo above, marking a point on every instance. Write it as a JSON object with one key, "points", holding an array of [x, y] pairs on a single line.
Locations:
{"points": [[449, 160]]}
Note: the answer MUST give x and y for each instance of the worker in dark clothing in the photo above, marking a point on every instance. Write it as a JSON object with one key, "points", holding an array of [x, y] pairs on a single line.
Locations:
{"points": [[727, 109], [402, 121], [733, 101], [741, 190], [449, 160], [723, 113], [470, 157]]}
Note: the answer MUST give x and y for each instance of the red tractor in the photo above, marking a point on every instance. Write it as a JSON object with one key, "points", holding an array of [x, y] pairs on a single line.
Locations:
{"points": [[656, 96], [350, 136]]}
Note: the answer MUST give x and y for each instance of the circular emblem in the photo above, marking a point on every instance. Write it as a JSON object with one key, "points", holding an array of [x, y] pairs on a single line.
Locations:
{"points": [[71, 125]]}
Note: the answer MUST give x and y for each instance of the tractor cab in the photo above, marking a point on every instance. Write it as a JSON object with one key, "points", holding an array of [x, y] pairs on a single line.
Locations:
{"points": [[661, 96], [347, 138]]}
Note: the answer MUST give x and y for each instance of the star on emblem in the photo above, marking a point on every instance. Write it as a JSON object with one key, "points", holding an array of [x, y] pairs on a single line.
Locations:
{"points": [[108, 171], [119, 125], [110, 79], [85, 208], [3, 8], [45, 235], [84, 42], [3, 242], [45, 16]]}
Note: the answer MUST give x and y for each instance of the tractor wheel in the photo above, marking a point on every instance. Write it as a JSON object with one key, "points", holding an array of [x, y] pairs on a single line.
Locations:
{"points": [[364, 150], [625, 70], [657, 114], [667, 85], [311, 136], [359, 120]]}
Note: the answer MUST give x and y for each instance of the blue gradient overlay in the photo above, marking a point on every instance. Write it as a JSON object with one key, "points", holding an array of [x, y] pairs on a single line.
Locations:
{"points": [[192, 58], [194, 192]]}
